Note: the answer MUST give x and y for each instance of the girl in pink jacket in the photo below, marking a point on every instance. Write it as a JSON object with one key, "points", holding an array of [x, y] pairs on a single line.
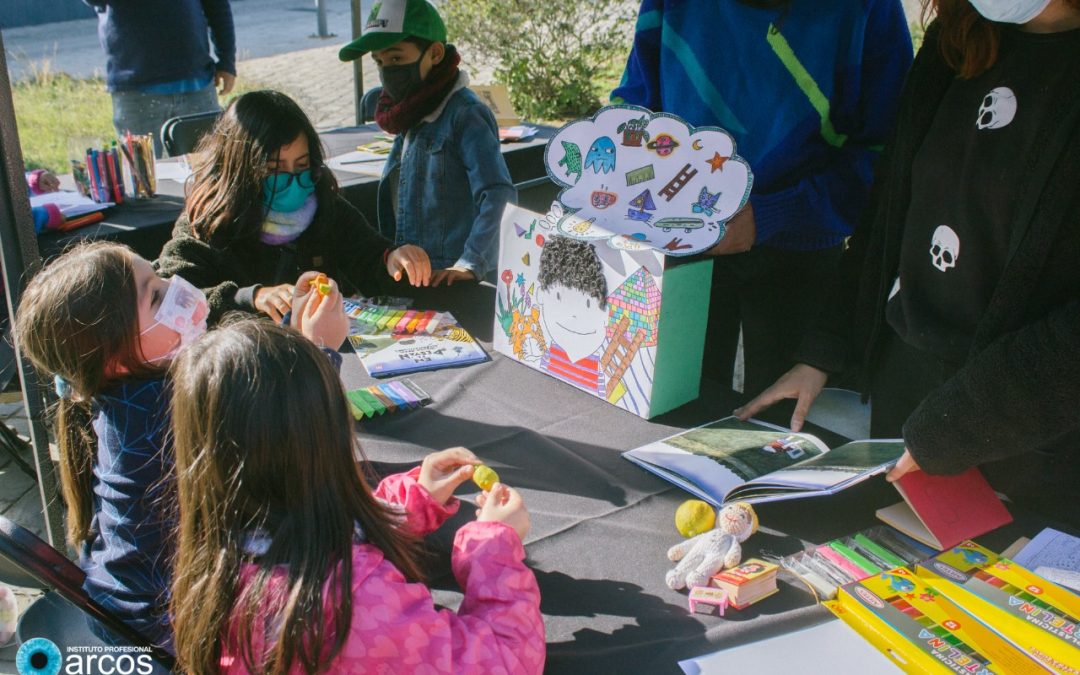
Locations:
{"points": [[288, 563]]}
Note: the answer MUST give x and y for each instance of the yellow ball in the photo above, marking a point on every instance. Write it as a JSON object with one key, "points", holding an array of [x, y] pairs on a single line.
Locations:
{"points": [[694, 517], [484, 476]]}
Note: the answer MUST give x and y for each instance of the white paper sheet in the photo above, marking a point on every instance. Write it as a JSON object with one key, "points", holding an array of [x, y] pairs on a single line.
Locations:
{"points": [[831, 646], [358, 161], [71, 204]]}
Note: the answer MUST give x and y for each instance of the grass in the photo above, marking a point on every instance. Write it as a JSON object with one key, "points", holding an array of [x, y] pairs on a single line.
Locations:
{"points": [[54, 111]]}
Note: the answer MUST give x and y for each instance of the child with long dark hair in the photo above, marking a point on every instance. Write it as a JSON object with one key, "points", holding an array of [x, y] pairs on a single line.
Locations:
{"points": [[106, 326], [288, 563], [262, 208]]}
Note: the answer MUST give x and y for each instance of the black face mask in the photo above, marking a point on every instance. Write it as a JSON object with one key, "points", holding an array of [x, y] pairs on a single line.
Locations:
{"points": [[400, 81]]}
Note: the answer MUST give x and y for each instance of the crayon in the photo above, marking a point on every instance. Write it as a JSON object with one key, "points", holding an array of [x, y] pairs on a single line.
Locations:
{"points": [[406, 393], [112, 169], [850, 568], [424, 397], [75, 223], [389, 392], [373, 401], [404, 321], [860, 561], [383, 398], [881, 552]]}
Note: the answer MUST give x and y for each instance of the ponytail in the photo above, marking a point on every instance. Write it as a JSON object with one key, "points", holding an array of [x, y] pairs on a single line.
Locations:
{"points": [[78, 447]]}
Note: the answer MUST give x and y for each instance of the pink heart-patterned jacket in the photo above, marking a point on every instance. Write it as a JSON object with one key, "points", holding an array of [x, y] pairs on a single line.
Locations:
{"points": [[396, 627]]}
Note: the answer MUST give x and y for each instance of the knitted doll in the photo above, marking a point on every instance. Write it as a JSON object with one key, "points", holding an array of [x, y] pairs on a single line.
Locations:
{"points": [[706, 554]]}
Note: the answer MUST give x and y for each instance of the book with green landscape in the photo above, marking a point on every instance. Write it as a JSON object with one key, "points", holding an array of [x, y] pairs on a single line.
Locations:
{"points": [[754, 461]]}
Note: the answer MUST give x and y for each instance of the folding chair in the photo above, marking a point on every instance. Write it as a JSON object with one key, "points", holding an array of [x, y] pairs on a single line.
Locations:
{"points": [[367, 104], [181, 134], [61, 614]]}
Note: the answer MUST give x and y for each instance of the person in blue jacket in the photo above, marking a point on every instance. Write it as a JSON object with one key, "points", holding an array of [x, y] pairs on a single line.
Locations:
{"points": [[159, 59], [809, 90], [445, 184]]}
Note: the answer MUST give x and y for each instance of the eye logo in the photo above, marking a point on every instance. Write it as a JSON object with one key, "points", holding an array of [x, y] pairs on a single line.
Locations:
{"points": [[38, 656]]}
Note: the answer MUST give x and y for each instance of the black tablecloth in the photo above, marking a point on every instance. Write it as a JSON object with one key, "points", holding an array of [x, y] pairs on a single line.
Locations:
{"points": [[145, 225], [601, 526]]}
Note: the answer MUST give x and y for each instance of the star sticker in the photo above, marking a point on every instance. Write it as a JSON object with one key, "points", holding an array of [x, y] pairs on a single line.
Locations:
{"points": [[717, 162], [909, 596]]}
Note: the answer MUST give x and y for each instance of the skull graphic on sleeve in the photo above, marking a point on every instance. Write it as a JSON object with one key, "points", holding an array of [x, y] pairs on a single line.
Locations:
{"points": [[945, 248]]}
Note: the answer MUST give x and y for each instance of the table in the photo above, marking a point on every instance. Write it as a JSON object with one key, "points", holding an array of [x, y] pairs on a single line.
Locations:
{"points": [[146, 225], [601, 526]]}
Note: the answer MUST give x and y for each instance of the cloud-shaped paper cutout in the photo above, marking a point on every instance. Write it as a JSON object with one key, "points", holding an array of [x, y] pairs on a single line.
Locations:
{"points": [[642, 179]]}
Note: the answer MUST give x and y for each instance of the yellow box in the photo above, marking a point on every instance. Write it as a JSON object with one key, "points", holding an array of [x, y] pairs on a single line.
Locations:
{"points": [[923, 632], [1037, 616]]}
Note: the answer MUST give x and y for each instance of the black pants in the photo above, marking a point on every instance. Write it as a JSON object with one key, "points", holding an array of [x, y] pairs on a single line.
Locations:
{"points": [[902, 376], [771, 294]]}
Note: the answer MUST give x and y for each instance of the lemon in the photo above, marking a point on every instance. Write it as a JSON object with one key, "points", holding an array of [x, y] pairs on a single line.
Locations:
{"points": [[484, 476], [694, 517]]}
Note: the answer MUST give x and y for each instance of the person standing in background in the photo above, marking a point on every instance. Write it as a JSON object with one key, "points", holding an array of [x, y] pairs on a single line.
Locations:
{"points": [[159, 62], [809, 91]]}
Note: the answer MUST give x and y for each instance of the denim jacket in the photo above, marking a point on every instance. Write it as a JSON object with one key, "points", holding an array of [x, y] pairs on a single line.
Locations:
{"points": [[453, 188]]}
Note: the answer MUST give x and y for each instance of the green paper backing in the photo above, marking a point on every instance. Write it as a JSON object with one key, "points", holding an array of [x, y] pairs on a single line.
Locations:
{"points": [[684, 313]]}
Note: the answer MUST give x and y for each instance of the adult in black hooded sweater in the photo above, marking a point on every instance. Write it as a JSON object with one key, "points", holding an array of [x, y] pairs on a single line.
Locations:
{"points": [[959, 293]]}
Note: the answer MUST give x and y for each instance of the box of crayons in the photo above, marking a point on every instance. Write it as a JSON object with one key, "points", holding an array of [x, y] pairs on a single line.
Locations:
{"points": [[826, 568], [1036, 615], [386, 397], [922, 631]]}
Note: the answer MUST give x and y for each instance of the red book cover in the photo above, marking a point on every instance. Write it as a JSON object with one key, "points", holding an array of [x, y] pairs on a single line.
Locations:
{"points": [[942, 511]]}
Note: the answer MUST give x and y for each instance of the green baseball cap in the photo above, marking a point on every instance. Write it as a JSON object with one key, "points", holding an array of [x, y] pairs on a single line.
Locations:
{"points": [[391, 21]]}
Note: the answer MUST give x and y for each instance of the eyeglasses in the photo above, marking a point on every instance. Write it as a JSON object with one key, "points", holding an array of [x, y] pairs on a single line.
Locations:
{"points": [[280, 181]]}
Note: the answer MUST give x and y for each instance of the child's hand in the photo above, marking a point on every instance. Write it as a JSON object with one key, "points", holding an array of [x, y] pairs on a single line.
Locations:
{"points": [[319, 318], [505, 505], [450, 275], [411, 260], [48, 182], [274, 301], [442, 472]]}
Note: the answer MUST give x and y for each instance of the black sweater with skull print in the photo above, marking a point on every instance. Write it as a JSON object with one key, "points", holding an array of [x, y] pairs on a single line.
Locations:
{"points": [[1017, 381], [966, 178]]}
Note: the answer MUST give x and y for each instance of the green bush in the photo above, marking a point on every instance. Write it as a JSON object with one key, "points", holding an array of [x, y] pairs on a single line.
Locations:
{"points": [[553, 55]]}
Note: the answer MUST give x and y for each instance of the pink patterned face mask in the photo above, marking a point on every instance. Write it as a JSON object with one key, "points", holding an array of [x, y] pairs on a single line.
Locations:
{"points": [[183, 310]]}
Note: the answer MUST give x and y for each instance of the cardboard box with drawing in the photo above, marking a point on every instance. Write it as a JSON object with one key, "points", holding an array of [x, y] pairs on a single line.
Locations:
{"points": [[589, 293]]}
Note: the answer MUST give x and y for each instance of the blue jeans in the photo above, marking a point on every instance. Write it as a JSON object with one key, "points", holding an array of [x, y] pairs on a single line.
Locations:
{"points": [[144, 113]]}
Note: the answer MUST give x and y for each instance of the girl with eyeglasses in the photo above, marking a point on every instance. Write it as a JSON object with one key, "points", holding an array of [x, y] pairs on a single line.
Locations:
{"points": [[262, 208]]}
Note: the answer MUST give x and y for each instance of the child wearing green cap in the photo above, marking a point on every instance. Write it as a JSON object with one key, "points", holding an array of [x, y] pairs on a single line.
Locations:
{"points": [[445, 183]]}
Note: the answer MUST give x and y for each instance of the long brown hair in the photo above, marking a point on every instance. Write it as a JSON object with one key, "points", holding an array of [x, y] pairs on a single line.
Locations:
{"points": [[79, 320], [225, 202], [264, 444], [968, 42]]}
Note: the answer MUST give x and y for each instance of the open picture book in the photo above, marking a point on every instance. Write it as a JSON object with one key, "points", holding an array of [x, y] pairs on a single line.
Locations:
{"points": [[754, 461]]}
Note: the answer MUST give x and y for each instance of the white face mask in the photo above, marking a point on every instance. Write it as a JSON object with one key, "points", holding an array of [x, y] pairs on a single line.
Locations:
{"points": [[183, 310], [1010, 11]]}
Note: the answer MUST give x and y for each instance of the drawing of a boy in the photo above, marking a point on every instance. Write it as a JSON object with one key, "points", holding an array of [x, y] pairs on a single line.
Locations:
{"points": [[573, 300]]}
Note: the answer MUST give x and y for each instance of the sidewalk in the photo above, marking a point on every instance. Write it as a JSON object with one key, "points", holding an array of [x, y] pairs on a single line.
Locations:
{"points": [[275, 49]]}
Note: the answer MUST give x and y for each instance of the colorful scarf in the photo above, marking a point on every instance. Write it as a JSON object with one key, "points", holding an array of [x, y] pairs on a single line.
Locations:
{"points": [[281, 227], [397, 117]]}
